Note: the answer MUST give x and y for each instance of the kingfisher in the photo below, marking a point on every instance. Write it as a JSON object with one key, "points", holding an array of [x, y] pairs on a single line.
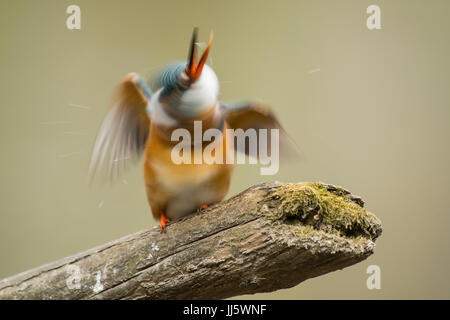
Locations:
{"points": [[142, 121]]}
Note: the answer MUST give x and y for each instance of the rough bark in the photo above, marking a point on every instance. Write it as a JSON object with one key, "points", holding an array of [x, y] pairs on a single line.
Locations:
{"points": [[269, 237]]}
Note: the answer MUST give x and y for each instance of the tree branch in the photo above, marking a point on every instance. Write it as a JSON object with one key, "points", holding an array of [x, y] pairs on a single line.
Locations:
{"points": [[269, 237]]}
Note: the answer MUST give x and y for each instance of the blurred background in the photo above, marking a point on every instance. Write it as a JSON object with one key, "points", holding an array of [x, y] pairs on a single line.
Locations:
{"points": [[369, 109]]}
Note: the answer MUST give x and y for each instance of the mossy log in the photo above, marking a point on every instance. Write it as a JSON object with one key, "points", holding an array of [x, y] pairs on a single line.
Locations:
{"points": [[269, 237]]}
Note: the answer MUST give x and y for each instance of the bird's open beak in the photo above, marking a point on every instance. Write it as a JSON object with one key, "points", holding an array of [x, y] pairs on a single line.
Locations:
{"points": [[194, 69]]}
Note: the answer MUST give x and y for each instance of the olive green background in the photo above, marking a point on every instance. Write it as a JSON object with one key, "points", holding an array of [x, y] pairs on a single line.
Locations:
{"points": [[369, 110]]}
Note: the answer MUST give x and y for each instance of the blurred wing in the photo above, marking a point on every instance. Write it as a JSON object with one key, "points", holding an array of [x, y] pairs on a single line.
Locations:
{"points": [[256, 115], [124, 130]]}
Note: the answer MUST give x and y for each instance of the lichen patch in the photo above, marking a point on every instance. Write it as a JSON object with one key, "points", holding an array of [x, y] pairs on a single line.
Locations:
{"points": [[325, 208]]}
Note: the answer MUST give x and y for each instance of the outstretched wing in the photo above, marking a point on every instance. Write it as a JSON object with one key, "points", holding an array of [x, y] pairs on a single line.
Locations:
{"points": [[124, 130], [256, 115]]}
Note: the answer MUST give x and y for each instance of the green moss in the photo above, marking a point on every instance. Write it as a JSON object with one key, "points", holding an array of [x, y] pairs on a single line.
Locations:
{"points": [[327, 208], [306, 231]]}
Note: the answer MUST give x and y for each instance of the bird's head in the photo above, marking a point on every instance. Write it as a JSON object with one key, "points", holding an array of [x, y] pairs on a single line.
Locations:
{"points": [[189, 88]]}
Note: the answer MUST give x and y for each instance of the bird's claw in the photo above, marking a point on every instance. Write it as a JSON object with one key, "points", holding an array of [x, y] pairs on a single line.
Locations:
{"points": [[163, 221], [202, 207]]}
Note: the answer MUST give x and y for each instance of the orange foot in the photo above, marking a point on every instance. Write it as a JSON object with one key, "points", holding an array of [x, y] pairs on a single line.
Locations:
{"points": [[203, 207], [163, 222]]}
